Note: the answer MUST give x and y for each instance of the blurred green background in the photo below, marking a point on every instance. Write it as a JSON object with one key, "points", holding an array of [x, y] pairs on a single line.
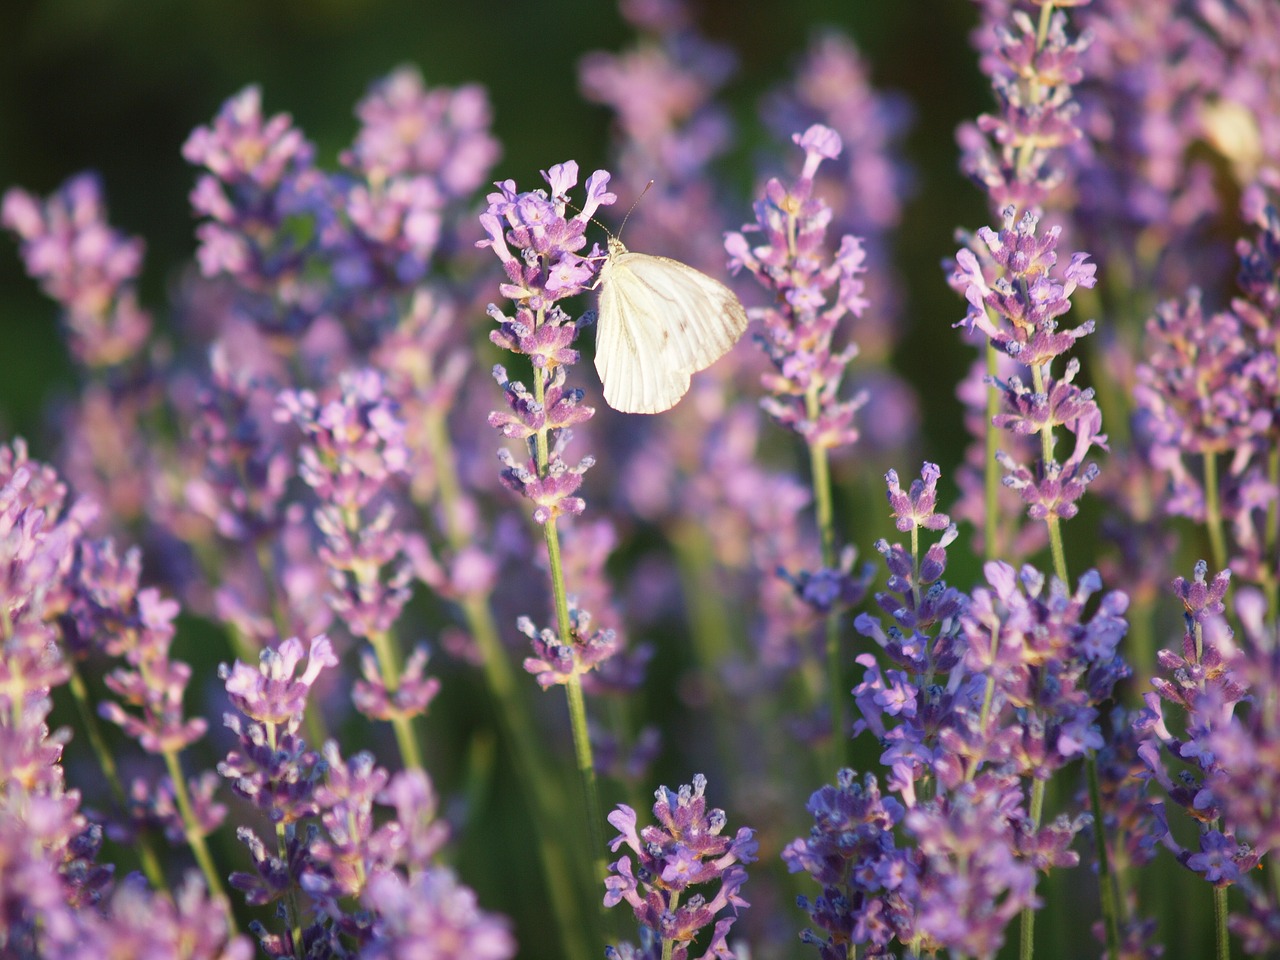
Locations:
{"points": [[116, 86]]}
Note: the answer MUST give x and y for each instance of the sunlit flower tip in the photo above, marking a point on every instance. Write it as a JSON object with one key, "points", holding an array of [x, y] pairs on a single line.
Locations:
{"points": [[915, 508], [829, 589], [818, 143], [271, 693], [1200, 598], [411, 697]]}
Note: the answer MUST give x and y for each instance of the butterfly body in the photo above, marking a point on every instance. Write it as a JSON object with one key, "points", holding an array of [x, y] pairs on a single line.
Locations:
{"points": [[660, 321]]}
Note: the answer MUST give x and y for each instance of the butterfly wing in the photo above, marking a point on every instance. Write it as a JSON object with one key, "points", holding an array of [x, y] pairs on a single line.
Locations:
{"points": [[631, 344], [703, 318], [660, 321]]}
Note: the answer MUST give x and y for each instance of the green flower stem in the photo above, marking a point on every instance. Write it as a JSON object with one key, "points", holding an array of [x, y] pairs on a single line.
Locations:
{"points": [[577, 711], [389, 666], [573, 690], [531, 766], [146, 853], [1213, 512], [991, 476], [1111, 903], [191, 830], [1026, 939], [711, 633], [1222, 945], [1272, 585], [820, 474]]}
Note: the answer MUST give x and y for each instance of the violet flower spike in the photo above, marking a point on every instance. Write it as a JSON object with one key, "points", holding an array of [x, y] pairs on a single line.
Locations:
{"points": [[683, 851]]}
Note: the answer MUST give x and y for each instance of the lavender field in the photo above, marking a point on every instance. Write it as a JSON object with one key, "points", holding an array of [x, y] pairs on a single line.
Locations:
{"points": [[341, 616]]}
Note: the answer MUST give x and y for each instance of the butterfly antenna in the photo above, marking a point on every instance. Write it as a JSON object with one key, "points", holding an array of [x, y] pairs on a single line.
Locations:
{"points": [[634, 203]]}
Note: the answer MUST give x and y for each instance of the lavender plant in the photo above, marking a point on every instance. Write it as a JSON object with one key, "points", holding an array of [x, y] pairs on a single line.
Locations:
{"points": [[285, 472]]}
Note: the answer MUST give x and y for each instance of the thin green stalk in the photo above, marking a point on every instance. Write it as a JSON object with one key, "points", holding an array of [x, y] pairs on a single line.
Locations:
{"points": [[1026, 940], [1272, 585], [1213, 512], [146, 853], [531, 765], [1111, 903], [573, 690], [991, 474], [820, 474], [577, 708], [1222, 944], [389, 665], [191, 830]]}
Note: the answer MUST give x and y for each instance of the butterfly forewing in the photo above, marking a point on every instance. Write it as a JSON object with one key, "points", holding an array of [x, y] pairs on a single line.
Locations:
{"points": [[629, 351], [659, 322]]}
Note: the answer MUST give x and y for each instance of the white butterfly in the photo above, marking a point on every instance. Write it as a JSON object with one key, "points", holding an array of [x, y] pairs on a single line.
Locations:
{"points": [[660, 321]]}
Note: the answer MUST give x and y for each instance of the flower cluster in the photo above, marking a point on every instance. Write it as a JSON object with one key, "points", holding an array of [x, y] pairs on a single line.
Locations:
{"points": [[1209, 389], [1016, 155], [812, 297], [85, 265], [1015, 299], [685, 850], [549, 268], [64, 598]]}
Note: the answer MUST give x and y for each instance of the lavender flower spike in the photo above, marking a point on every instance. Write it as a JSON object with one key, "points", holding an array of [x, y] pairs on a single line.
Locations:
{"points": [[685, 850]]}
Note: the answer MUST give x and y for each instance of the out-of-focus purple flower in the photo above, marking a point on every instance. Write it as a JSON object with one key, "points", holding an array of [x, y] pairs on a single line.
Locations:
{"points": [[139, 923], [85, 265], [972, 881], [832, 588], [412, 695], [668, 129], [553, 662], [1017, 154], [419, 151], [683, 851], [867, 881], [353, 452], [1206, 391], [407, 128], [812, 296], [1178, 99], [432, 917]]}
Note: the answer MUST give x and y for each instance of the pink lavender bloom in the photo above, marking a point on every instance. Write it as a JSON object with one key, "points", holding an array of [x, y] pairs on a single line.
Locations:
{"points": [[555, 663], [1210, 768], [1017, 309], [548, 270], [1017, 154], [352, 455], [684, 851], [272, 767], [867, 186], [812, 296], [138, 923], [668, 128], [1203, 391], [85, 265], [866, 880], [432, 917], [260, 177], [418, 153]]}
